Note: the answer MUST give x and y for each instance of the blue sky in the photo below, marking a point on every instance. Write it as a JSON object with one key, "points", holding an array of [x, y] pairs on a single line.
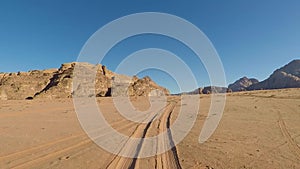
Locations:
{"points": [[253, 38]]}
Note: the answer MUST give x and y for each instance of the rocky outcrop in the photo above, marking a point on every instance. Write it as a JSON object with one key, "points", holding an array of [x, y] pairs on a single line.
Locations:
{"points": [[196, 91], [214, 89], [120, 85], [3, 95], [285, 77], [58, 83], [127, 86], [242, 84], [24, 85], [146, 87]]}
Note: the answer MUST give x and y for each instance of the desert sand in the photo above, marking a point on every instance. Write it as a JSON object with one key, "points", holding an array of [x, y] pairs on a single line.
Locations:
{"points": [[259, 129]]}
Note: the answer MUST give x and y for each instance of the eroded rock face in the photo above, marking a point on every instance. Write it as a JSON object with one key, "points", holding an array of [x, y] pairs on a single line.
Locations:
{"points": [[127, 86], [3, 95], [14, 86], [120, 85], [59, 83], [285, 77], [146, 87], [242, 84]]}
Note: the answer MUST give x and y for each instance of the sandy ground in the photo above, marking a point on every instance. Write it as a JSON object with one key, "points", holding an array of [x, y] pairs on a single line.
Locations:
{"points": [[259, 129]]}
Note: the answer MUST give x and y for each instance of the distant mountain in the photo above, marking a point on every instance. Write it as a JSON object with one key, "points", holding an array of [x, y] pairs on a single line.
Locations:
{"points": [[214, 89], [196, 91], [286, 77], [57, 83], [206, 90], [242, 84]]}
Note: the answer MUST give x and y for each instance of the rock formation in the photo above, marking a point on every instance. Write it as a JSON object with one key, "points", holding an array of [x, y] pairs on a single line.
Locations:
{"points": [[242, 84], [285, 77], [196, 91], [24, 84], [3, 95], [146, 87], [58, 83], [207, 90], [214, 89], [124, 85]]}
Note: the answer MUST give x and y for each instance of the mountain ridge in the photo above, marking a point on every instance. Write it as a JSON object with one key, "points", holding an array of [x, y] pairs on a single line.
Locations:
{"points": [[287, 76]]}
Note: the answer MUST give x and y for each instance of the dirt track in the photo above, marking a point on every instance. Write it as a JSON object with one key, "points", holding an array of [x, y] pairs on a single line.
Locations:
{"points": [[165, 160], [258, 130]]}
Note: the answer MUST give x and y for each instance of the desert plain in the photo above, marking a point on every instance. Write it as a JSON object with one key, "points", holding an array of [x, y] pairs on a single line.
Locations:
{"points": [[258, 129]]}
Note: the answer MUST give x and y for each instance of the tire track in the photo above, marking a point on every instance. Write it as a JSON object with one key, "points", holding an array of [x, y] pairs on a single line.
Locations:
{"points": [[18, 113], [166, 160], [60, 152], [288, 139], [41, 146], [52, 149], [130, 147], [170, 158], [294, 146]]}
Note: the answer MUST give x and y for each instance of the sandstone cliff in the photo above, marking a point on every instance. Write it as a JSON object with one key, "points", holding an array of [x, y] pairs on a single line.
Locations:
{"points": [[57, 83], [23, 85]]}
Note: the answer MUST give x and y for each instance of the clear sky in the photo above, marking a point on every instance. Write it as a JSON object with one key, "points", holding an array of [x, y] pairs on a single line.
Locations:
{"points": [[253, 38]]}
